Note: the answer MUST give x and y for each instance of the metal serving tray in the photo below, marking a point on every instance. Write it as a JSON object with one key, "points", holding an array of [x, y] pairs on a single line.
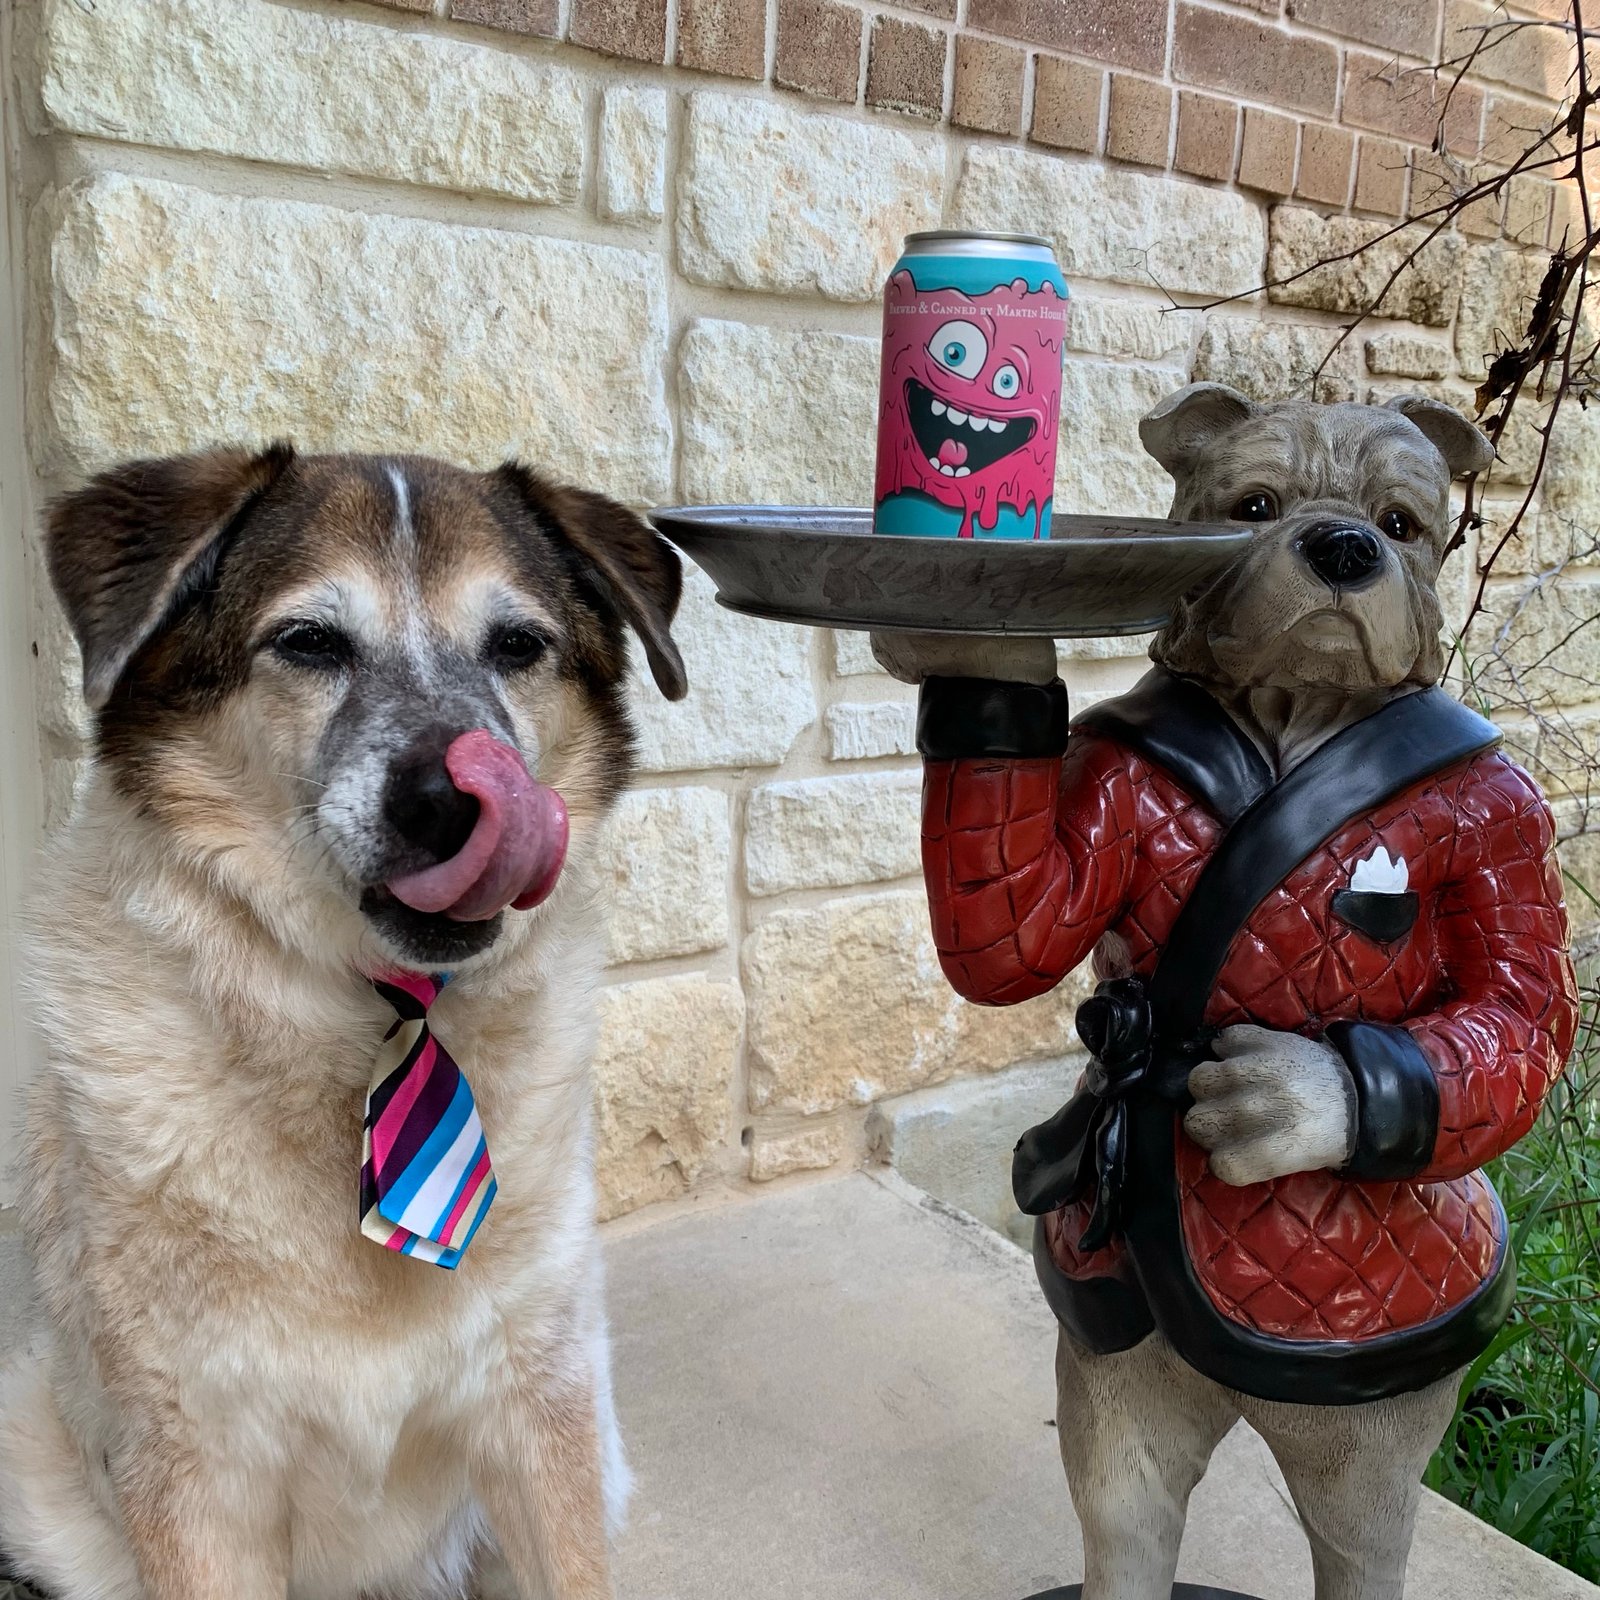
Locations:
{"points": [[825, 566]]}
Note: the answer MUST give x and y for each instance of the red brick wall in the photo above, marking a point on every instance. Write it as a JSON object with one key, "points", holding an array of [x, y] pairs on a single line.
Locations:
{"points": [[1328, 100]]}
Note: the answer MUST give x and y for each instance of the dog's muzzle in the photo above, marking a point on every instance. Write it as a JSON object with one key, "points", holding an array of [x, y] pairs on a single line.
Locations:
{"points": [[1344, 555]]}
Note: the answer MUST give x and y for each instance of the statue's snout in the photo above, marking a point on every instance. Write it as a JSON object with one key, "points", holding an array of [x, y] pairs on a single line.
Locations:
{"points": [[1344, 555]]}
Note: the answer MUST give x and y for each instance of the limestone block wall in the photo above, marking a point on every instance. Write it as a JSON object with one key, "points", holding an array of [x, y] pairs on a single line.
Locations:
{"points": [[640, 244]]}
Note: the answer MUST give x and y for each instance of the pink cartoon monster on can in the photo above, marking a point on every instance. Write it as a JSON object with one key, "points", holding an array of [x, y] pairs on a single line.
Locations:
{"points": [[973, 330]]}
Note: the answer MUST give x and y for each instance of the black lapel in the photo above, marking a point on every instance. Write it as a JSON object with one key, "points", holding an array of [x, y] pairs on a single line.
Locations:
{"points": [[1353, 773], [1174, 723]]}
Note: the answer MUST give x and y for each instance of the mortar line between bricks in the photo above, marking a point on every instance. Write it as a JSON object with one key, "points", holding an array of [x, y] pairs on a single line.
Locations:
{"points": [[594, 96], [558, 51], [690, 301], [1030, 87], [1169, 73], [363, 192], [220, 177], [740, 1108], [863, 60], [739, 928], [1296, 29], [579, 59], [679, 317], [947, 105], [569, 223]]}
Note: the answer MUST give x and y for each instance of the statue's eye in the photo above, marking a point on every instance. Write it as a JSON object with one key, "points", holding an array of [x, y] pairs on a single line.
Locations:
{"points": [[1257, 506], [1397, 525]]}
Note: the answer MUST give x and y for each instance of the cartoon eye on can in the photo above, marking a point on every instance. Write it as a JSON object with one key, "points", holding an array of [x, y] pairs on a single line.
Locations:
{"points": [[973, 329]]}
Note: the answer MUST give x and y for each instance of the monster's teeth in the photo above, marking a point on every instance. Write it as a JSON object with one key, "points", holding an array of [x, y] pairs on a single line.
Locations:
{"points": [[949, 472], [933, 461], [938, 408], [963, 472], [979, 424], [996, 425], [957, 417]]}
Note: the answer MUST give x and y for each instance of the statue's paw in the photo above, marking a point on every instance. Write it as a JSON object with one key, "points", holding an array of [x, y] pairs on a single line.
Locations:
{"points": [[911, 657], [1271, 1104]]}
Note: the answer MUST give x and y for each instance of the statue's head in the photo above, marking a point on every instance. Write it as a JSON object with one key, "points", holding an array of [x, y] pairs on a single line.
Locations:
{"points": [[1352, 508]]}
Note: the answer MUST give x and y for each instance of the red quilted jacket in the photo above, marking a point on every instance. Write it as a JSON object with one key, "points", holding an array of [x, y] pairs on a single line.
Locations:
{"points": [[1032, 864]]}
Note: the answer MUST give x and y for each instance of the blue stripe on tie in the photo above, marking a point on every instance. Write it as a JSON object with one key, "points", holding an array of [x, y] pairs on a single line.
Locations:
{"points": [[452, 1258], [403, 1190]]}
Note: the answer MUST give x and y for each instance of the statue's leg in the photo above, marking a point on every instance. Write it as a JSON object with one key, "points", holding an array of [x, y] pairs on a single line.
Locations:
{"points": [[1356, 1476], [1137, 1429]]}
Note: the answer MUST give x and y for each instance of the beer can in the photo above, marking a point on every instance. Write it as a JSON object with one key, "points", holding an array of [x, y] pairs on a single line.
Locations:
{"points": [[970, 394]]}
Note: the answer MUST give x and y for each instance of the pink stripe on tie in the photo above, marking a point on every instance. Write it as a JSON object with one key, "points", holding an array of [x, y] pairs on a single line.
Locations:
{"points": [[421, 986], [480, 1174], [387, 1129]]}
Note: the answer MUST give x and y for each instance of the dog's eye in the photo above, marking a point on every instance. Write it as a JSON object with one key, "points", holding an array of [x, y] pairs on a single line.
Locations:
{"points": [[1397, 524], [313, 645], [515, 647], [1257, 506]]}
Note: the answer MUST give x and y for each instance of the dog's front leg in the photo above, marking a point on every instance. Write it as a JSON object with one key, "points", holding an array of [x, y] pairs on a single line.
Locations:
{"points": [[541, 1483], [197, 1532]]}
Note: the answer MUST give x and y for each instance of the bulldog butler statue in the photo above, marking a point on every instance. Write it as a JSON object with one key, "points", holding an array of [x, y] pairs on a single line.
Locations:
{"points": [[1329, 928]]}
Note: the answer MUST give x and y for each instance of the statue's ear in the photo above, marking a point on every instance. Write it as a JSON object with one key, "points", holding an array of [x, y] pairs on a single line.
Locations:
{"points": [[1464, 447], [1185, 423]]}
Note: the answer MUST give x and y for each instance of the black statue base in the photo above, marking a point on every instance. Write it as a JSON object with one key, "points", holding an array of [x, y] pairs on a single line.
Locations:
{"points": [[1180, 1591]]}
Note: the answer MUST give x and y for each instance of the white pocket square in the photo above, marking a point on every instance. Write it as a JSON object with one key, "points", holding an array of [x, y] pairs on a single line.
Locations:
{"points": [[1378, 874]]}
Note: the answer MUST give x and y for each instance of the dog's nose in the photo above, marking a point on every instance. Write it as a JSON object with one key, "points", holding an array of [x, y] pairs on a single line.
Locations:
{"points": [[425, 808], [1341, 554]]}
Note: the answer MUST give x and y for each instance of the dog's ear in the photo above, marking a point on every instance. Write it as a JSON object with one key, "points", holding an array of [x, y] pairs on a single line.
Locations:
{"points": [[633, 565], [130, 549], [1464, 447], [1185, 423]]}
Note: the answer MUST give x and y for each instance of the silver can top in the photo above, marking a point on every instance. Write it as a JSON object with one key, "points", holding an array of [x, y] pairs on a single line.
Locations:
{"points": [[963, 242]]}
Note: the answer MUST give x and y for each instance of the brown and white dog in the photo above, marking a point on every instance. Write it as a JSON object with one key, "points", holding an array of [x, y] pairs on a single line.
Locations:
{"points": [[242, 1397]]}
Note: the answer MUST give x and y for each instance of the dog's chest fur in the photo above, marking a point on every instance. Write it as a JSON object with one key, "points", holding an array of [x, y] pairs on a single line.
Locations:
{"points": [[192, 1179]]}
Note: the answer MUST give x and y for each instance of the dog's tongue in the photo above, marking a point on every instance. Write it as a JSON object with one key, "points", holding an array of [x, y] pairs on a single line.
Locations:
{"points": [[516, 849]]}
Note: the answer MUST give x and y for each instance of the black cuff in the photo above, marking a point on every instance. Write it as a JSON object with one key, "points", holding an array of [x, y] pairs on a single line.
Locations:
{"points": [[959, 717], [1397, 1100]]}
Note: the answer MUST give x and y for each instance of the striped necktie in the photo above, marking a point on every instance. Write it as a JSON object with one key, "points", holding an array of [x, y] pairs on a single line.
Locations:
{"points": [[426, 1182]]}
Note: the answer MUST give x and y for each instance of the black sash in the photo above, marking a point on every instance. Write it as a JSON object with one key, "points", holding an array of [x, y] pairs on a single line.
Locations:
{"points": [[1354, 773], [1123, 1121]]}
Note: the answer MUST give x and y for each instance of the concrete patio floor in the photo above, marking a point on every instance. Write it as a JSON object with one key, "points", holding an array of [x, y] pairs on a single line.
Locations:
{"points": [[841, 1390]]}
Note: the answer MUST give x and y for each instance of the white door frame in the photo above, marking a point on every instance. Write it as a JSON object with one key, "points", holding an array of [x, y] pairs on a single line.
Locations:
{"points": [[20, 775]]}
